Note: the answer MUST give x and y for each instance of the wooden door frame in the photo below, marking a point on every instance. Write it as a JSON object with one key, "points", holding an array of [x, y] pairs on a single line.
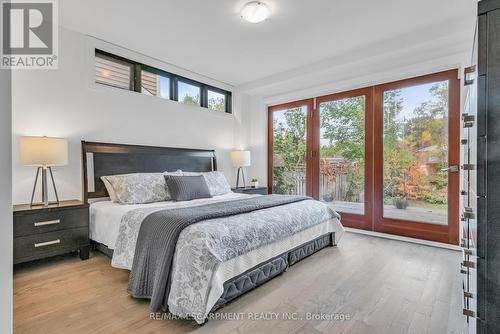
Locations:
{"points": [[441, 233], [364, 221], [309, 103]]}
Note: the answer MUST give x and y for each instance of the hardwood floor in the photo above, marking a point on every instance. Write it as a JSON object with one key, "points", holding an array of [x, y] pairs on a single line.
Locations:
{"points": [[384, 286]]}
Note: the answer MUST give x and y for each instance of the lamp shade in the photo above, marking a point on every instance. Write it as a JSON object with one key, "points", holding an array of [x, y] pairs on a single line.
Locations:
{"points": [[43, 151], [240, 158]]}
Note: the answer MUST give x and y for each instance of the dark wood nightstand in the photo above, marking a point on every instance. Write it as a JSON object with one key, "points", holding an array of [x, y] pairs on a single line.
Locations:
{"points": [[41, 232], [250, 190]]}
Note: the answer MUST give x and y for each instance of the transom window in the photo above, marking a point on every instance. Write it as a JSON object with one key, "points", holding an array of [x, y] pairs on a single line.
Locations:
{"points": [[119, 72]]}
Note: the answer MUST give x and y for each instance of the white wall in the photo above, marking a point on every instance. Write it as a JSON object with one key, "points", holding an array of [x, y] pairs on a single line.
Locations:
{"points": [[67, 103], [5, 204]]}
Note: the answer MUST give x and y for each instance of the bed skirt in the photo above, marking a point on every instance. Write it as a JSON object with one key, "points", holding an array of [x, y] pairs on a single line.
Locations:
{"points": [[269, 269]]}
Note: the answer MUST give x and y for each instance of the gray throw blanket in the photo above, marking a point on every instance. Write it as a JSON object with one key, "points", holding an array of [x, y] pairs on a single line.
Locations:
{"points": [[158, 235]]}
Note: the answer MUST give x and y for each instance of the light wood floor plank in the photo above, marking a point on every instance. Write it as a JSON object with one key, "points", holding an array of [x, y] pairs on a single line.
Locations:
{"points": [[385, 286]]}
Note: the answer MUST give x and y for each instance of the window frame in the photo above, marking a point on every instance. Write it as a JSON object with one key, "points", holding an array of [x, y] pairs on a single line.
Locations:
{"points": [[136, 81]]}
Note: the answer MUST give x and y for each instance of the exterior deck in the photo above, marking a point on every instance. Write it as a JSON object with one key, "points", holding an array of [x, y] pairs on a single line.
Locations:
{"points": [[426, 215]]}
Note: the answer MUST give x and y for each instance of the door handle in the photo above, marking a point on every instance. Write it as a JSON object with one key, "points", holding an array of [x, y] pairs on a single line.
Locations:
{"points": [[450, 169]]}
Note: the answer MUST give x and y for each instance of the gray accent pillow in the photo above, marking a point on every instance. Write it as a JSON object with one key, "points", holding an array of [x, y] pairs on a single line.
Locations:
{"points": [[186, 188]]}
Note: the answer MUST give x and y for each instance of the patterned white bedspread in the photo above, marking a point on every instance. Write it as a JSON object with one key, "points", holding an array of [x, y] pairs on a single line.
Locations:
{"points": [[204, 246]]}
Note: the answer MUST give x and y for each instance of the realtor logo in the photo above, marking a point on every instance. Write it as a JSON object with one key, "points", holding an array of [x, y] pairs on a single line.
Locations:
{"points": [[29, 34]]}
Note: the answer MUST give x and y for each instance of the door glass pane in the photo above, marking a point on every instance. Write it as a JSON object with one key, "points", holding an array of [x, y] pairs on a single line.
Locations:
{"points": [[342, 154], [289, 151], [415, 151], [189, 94]]}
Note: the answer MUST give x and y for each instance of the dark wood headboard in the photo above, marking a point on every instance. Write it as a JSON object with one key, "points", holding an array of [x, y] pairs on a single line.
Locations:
{"points": [[101, 159]]}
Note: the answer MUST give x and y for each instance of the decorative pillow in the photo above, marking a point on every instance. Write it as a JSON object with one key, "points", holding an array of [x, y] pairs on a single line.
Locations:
{"points": [[138, 188], [177, 172], [216, 182], [186, 188]]}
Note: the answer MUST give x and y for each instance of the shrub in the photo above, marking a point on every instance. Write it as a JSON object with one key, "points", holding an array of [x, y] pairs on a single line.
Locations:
{"points": [[401, 203]]}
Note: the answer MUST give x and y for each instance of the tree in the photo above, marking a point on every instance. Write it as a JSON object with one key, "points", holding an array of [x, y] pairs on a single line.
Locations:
{"points": [[193, 100], [416, 149], [343, 127], [398, 157], [289, 147], [217, 103], [427, 134], [343, 123]]}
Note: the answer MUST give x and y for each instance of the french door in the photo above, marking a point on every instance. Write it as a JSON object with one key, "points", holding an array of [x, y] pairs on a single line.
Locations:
{"points": [[417, 157], [342, 166], [290, 148], [385, 157]]}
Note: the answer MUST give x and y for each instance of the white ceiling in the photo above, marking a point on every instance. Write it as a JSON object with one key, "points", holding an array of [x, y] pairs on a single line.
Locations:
{"points": [[208, 36]]}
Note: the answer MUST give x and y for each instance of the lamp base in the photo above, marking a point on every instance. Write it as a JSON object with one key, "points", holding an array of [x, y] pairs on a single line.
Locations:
{"points": [[45, 188], [240, 169]]}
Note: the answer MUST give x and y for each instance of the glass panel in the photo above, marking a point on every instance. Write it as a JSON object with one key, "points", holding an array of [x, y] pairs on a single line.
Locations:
{"points": [[154, 84], [415, 151], [342, 154], [289, 151], [188, 94], [216, 101]]}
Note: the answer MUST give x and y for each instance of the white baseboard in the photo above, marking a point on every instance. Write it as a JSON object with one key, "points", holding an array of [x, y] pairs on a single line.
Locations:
{"points": [[406, 239]]}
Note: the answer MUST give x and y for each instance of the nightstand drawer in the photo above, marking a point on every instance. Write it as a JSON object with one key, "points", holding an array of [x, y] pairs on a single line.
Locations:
{"points": [[43, 222], [48, 244], [261, 191], [249, 190]]}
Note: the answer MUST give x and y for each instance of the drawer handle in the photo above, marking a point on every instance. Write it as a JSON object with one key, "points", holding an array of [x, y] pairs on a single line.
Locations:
{"points": [[48, 243], [468, 294], [469, 313], [468, 251], [468, 264], [48, 222]]}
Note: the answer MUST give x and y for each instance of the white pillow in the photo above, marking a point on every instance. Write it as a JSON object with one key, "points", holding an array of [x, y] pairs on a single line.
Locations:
{"points": [[177, 172], [216, 182], [138, 188]]}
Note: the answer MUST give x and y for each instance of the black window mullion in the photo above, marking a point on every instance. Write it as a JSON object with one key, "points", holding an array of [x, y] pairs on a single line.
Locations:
{"points": [[174, 88], [137, 87], [204, 96], [229, 103]]}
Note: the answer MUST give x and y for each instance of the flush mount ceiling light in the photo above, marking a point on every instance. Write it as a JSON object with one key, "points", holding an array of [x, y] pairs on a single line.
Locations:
{"points": [[255, 12]]}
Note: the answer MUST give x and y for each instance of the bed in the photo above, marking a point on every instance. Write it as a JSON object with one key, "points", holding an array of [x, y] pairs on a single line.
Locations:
{"points": [[215, 259]]}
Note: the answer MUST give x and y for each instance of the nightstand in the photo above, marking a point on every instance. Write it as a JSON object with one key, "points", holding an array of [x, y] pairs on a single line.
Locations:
{"points": [[250, 190], [41, 232]]}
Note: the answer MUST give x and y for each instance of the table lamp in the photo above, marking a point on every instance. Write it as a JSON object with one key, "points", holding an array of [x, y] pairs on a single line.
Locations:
{"points": [[44, 153], [240, 159]]}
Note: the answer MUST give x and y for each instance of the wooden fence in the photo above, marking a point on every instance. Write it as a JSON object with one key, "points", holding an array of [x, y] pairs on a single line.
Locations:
{"points": [[330, 187]]}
